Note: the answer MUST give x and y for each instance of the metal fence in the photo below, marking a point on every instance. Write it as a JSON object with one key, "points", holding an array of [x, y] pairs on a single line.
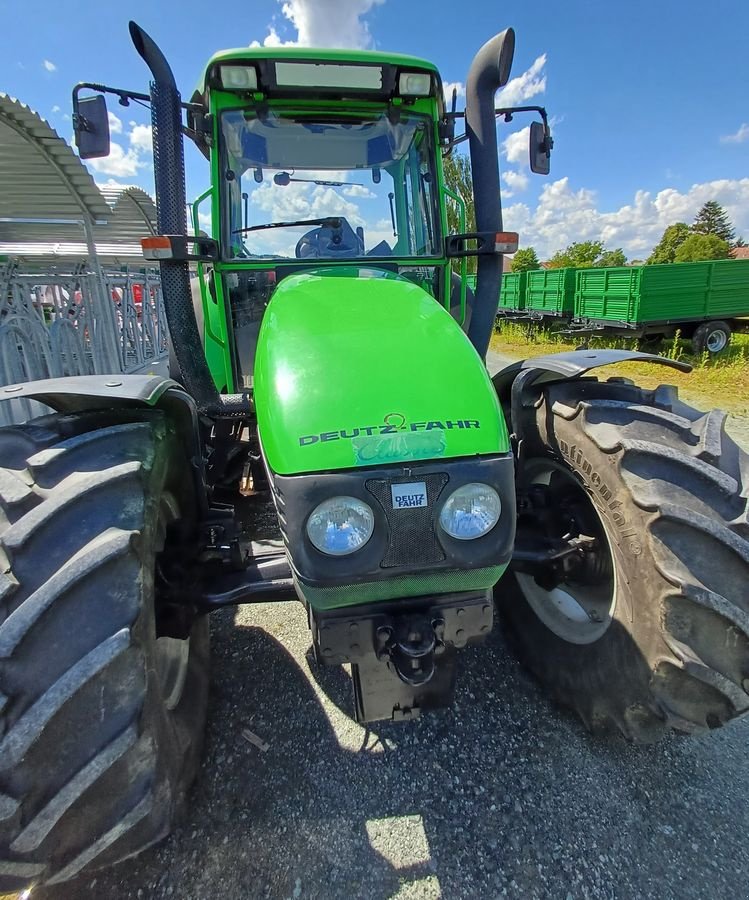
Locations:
{"points": [[76, 323]]}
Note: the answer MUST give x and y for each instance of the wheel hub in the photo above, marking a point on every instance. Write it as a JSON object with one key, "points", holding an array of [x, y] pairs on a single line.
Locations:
{"points": [[568, 579]]}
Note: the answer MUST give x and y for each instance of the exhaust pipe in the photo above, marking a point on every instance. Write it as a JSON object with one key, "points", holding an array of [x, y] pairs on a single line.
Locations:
{"points": [[171, 217], [490, 70]]}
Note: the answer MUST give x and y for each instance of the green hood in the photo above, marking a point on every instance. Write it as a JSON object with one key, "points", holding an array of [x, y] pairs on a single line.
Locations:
{"points": [[361, 367]]}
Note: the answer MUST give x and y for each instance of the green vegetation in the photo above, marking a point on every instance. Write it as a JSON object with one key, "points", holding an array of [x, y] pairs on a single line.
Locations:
{"points": [[457, 172], [665, 250], [525, 260], [710, 236], [713, 219], [585, 255], [722, 380], [702, 246], [610, 258]]}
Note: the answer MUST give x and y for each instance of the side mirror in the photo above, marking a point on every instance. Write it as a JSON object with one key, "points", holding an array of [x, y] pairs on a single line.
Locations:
{"points": [[540, 148], [91, 125]]}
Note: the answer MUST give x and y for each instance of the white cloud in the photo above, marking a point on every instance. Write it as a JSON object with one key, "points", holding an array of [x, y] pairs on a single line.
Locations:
{"points": [[119, 163], [113, 183], [128, 163], [324, 23], [739, 137], [49, 66], [55, 109], [531, 82], [205, 222], [564, 215], [359, 190], [140, 138], [115, 123], [448, 88], [515, 181], [515, 146]]}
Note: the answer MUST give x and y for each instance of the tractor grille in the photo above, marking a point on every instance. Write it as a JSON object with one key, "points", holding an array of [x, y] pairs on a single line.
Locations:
{"points": [[412, 537]]}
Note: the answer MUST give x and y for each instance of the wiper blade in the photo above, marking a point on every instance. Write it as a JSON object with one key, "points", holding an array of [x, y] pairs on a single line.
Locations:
{"points": [[327, 222]]}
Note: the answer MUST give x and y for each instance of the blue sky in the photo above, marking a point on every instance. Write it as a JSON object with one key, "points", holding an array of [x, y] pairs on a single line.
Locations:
{"points": [[649, 99]]}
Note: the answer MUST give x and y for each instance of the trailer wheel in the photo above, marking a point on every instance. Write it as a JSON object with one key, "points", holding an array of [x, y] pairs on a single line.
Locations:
{"points": [[646, 626], [101, 715], [711, 337]]}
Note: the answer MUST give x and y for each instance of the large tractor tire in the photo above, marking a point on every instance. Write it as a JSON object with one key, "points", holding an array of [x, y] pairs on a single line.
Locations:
{"points": [[646, 627], [101, 718]]}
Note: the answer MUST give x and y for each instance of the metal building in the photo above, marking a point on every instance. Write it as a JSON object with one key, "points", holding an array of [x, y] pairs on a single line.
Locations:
{"points": [[75, 295]]}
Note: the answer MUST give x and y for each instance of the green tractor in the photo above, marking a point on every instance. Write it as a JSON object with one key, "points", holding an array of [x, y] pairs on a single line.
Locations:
{"points": [[332, 366]]}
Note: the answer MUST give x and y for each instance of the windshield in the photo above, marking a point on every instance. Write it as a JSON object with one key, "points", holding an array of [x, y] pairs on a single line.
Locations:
{"points": [[301, 186]]}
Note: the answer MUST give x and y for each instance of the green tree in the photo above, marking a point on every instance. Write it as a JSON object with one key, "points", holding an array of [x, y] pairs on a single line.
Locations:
{"points": [[580, 255], [525, 260], [665, 250], [713, 219], [610, 258], [702, 246], [457, 168]]}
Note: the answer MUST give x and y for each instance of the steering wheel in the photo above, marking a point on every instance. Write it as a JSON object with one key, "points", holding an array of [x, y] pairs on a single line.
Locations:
{"points": [[326, 242]]}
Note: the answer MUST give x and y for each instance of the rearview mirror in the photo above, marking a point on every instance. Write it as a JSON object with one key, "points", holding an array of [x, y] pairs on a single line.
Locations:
{"points": [[91, 124], [540, 148]]}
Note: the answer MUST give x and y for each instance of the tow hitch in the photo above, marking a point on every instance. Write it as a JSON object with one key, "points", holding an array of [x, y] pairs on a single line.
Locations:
{"points": [[402, 653]]}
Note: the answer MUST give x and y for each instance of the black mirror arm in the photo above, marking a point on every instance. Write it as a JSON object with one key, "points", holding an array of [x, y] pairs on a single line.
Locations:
{"points": [[507, 112], [125, 97]]}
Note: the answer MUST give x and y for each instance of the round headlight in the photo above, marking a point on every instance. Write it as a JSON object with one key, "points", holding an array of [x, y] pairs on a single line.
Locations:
{"points": [[340, 525], [471, 511]]}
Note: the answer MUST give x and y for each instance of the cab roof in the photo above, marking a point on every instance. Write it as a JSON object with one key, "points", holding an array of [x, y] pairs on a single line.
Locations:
{"points": [[312, 54]]}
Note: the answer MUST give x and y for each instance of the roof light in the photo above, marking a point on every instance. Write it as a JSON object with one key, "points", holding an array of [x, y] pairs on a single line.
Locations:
{"points": [[238, 78], [415, 84]]}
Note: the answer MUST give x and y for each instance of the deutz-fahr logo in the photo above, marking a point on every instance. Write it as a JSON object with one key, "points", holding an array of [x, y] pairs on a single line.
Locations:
{"points": [[393, 423]]}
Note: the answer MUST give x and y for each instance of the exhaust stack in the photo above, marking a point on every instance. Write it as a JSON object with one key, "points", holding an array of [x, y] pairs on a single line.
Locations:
{"points": [[490, 70], [169, 170]]}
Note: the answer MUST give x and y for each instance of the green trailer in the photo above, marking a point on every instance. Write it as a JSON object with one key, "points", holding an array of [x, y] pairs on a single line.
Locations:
{"points": [[550, 292], [512, 292], [705, 301]]}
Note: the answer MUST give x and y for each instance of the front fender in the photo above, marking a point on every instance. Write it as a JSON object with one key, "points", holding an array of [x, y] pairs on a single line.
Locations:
{"points": [[518, 384], [82, 393]]}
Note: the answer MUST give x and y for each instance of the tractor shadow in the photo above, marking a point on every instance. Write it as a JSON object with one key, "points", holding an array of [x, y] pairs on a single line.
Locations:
{"points": [[502, 792]]}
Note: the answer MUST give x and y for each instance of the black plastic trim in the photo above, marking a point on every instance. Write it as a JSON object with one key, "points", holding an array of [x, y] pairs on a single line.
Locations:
{"points": [[296, 496], [573, 364]]}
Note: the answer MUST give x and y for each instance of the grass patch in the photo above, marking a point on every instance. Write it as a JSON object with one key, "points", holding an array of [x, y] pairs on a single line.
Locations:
{"points": [[717, 381]]}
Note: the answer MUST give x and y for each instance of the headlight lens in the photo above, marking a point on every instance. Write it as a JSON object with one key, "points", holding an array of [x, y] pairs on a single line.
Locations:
{"points": [[340, 525], [471, 511]]}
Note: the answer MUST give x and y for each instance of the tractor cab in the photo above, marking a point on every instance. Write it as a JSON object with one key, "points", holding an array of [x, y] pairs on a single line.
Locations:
{"points": [[317, 163]]}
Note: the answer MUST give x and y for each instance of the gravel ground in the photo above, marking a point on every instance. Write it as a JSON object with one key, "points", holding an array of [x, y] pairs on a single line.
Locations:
{"points": [[502, 795]]}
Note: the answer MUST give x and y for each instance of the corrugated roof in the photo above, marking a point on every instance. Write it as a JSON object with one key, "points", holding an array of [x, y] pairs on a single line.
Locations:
{"points": [[41, 177], [68, 254], [132, 216]]}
